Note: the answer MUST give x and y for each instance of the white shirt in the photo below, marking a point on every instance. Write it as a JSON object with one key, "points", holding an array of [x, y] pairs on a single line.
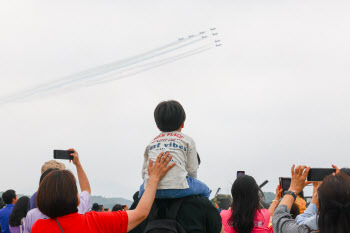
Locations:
{"points": [[183, 150]]}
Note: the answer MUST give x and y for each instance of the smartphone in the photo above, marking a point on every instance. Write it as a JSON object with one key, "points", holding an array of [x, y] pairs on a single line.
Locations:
{"points": [[106, 210], [62, 154], [318, 174], [285, 183], [240, 173]]}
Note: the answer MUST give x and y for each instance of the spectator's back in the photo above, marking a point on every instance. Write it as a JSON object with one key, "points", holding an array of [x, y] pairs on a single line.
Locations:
{"points": [[196, 215]]}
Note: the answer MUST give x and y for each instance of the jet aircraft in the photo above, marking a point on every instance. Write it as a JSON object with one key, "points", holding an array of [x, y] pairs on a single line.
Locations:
{"points": [[218, 45], [214, 34], [212, 29], [217, 41]]}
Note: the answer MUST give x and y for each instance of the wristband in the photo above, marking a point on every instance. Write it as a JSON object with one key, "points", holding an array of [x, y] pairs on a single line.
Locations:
{"points": [[291, 193], [275, 201]]}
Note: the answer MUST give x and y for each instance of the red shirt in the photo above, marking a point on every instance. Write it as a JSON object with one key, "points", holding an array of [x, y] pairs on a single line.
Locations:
{"points": [[92, 222]]}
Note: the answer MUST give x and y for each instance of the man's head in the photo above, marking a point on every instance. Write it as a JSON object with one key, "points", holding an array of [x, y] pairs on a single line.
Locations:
{"points": [[9, 197], [52, 164], [169, 116]]}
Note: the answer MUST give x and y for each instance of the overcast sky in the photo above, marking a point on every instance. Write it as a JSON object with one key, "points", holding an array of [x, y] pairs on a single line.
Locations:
{"points": [[276, 92]]}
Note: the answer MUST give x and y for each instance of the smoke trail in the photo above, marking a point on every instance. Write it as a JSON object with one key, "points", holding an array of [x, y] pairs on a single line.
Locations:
{"points": [[110, 76], [161, 63], [65, 82], [106, 73]]}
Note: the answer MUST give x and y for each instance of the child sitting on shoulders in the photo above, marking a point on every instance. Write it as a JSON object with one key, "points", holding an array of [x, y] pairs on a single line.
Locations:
{"points": [[181, 180]]}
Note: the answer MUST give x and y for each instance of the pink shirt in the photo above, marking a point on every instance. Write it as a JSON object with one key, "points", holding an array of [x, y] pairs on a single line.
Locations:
{"points": [[262, 219]]}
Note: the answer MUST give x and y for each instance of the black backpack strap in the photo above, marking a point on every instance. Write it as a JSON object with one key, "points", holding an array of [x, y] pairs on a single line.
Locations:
{"points": [[59, 225], [174, 208]]}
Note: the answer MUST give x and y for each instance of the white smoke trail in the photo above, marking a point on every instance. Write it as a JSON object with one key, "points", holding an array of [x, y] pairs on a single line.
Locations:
{"points": [[106, 73]]}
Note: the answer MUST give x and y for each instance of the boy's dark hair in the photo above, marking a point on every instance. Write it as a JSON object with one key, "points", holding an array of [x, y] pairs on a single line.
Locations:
{"points": [[8, 196], [169, 115], [58, 194]]}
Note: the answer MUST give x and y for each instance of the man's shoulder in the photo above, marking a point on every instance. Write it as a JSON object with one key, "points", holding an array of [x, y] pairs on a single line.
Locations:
{"points": [[36, 213]]}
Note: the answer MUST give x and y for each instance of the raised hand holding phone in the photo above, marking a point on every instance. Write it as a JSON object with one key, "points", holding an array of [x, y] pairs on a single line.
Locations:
{"points": [[75, 156]]}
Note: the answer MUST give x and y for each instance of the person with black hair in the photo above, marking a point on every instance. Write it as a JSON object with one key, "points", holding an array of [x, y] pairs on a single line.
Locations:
{"points": [[181, 181], [96, 207], [17, 217], [246, 213], [119, 207], [10, 199]]}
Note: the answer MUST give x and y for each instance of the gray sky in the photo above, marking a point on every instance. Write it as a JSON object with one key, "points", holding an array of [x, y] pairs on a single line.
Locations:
{"points": [[276, 92]]}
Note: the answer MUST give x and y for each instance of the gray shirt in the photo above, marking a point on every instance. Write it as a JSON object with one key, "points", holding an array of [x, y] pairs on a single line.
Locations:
{"points": [[282, 222], [183, 150]]}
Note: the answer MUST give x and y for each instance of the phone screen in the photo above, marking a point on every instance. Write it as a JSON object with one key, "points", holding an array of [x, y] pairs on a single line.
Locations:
{"points": [[318, 174], [62, 154], [240, 173], [285, 183]]}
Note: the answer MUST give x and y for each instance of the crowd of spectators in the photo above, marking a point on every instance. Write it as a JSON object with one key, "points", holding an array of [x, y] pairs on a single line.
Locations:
{"points": [[58, 207]]}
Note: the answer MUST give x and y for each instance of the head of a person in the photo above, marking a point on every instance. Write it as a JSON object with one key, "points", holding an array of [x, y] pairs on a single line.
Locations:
{"points": [[9, 197], [334, 204], [46, 173], [58, 194], [246, 196], [19, 211], [294, 211], [95, 207], [118, 207], [52, 164], [169, 116]]}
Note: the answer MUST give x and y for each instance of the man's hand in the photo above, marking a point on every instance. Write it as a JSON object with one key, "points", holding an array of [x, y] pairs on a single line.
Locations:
{"points": [[299, 176], [76, 160], [158, 170]]}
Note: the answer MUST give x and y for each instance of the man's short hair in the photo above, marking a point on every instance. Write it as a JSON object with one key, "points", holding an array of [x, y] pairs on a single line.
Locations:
{"points": [[8, 196], [52, 164], [169, 115], [58, 194]]}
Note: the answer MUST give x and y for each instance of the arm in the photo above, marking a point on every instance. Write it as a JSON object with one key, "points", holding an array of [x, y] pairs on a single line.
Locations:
{"points": [[309, 217], [275, 202], [282, 220], [156, 173], [222, 230], [192, 160], [83, 180]]}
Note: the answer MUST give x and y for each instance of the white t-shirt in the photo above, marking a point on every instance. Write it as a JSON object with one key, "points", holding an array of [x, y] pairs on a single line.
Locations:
{"points": [[183, 150]]}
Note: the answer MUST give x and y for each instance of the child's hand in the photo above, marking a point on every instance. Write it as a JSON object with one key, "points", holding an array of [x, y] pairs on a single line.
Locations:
{"points": [[159, 168]]}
